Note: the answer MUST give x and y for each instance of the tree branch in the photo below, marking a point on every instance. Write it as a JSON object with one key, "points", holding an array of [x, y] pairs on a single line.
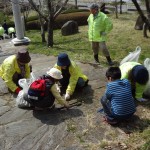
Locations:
{"points": [[60, 9], [37, 10], [141, 13]]}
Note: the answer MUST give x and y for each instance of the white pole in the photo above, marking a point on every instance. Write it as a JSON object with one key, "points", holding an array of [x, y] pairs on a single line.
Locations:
{"points": [[20, 40], [17, 19]]}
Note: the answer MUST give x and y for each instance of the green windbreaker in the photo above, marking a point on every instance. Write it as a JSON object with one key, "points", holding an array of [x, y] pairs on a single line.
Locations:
{"points": [[101, 23], [75, 73], [125, 69]]}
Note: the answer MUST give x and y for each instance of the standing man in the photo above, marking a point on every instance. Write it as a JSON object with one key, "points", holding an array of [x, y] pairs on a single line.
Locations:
{"points": [[99, 26]]}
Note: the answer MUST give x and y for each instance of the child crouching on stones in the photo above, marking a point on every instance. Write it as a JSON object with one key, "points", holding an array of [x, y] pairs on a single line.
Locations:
{"points": [[117, 102], [43, 92]]}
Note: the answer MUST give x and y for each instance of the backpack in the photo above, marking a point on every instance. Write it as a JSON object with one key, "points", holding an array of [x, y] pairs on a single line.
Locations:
{"points": [[37, 89], [39, 94]]}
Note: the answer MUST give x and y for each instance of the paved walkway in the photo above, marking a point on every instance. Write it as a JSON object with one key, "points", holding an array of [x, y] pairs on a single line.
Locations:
{"points": [[26, 129], [79, 128]]}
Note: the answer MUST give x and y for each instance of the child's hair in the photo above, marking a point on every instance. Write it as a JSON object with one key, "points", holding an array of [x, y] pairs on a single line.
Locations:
{"points": [[113, 72]]}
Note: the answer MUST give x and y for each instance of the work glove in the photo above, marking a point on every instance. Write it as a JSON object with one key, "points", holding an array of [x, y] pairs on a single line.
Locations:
{"points": [[66, 105], [67, 96], [17, 90], [103, 33], [141, 99]]}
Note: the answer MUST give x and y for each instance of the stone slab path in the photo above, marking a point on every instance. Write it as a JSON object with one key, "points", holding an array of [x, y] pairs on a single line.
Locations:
{"points": [[78, 128]]}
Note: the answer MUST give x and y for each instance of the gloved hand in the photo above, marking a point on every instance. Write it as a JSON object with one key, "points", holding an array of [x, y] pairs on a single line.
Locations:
{"points": [[67, 105], [67, 96], [17, 90], [141, 99], [103, 33]]}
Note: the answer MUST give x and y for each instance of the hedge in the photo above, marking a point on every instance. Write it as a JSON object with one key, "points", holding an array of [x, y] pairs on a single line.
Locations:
{"points": [[79, 17]]}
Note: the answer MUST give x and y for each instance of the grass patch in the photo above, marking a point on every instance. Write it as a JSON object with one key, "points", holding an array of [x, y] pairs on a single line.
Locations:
{"points": [[121, 40]]}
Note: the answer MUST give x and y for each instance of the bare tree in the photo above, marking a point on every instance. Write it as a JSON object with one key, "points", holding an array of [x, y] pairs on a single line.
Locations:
{"points": [[115, 4], [25, 9], [146, 26], [6, 6], [53, 9], [145, 19], [76, 4]]}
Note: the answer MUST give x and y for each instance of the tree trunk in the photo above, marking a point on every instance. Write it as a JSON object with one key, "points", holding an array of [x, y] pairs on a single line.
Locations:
{"points": [[120, 6], [42, 30], [146, 21], [146, 27], [50, 31], [147, 3], [116, 9], [76, 4]]}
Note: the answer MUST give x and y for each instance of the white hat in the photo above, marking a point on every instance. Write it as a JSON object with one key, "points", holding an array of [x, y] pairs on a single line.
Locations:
{"points": [[55, 73]]}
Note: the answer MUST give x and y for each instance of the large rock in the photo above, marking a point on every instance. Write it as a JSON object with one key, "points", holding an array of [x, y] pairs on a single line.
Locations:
{"points": [[139, 23], [69, 28]]}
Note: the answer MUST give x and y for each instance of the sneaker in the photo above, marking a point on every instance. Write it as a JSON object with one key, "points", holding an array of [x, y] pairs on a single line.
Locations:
{"points": [[110, 121], [100, 110]]}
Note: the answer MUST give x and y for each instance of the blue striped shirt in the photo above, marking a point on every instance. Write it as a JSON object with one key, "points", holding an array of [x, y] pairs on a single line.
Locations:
{"points": [[120, 96]]}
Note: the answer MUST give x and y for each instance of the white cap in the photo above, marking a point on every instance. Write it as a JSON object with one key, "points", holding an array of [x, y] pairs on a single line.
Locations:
{"points": [[55, 73]]}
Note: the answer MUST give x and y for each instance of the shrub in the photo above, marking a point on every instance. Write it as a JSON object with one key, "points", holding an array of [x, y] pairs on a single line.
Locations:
{"points": [[75, 10], [32, 18], [79, 17], [33, 25]]}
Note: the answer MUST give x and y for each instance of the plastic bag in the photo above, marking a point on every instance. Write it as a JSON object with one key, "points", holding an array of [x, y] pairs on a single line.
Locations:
{"points": [[3, 87], [147, 65], [132, 56], [24, 83], [20, 101]]}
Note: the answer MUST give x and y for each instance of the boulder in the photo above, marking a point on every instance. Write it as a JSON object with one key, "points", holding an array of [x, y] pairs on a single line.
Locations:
{"points": [[69, 28]]}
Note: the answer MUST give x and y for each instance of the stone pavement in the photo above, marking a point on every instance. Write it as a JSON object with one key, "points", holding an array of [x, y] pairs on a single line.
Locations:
{"points": [[79, 128], [22, 129]]}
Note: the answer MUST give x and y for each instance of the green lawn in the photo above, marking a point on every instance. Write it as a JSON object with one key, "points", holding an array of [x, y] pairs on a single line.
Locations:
{"points": [[121, 40]]}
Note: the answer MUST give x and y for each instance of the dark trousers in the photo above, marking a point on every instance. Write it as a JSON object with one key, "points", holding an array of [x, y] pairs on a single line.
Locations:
{"points": [[13, 34], [65, 81], [16, 77], [44, 102], [106, 106], [1, 37], [108, 110]]}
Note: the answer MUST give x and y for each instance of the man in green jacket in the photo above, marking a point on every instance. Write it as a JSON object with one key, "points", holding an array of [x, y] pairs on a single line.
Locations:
{"points": [[72, 75], [138, 76], [99, 25], [15, 67]]}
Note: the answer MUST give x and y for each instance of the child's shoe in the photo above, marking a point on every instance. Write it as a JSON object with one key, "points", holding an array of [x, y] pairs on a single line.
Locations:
{"points": [[110, 121]]}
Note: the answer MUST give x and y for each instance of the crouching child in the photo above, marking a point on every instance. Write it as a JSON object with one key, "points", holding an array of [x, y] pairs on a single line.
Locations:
{"points": [[43, 92], [118, 103]]}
